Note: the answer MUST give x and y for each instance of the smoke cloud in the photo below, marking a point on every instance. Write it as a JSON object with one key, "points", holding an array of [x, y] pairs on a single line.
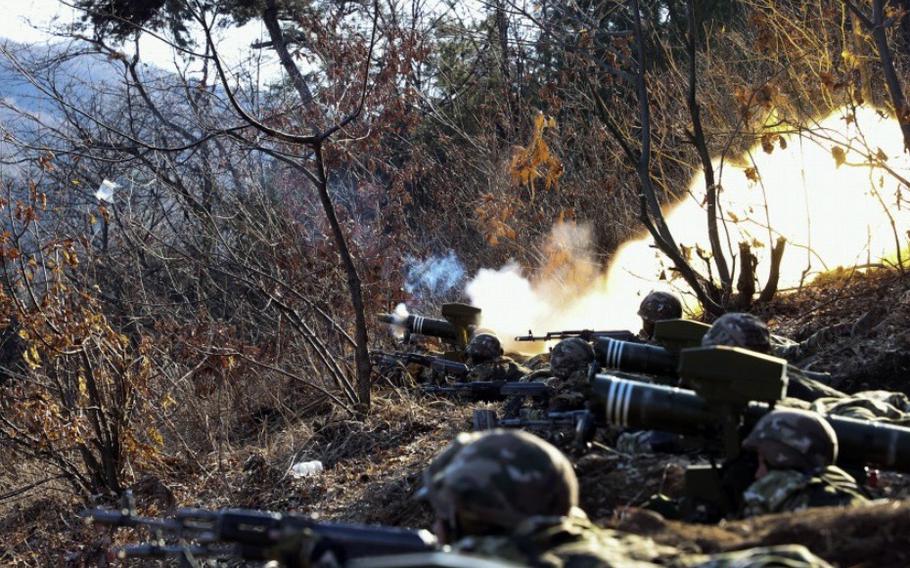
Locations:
{"points": [[434, 276], [568, 290], [827, 190]]}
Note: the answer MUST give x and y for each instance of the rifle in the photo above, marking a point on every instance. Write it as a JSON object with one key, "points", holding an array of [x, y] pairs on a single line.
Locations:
{"points": [[293, 540], [586, 334], [732, 389], [581, 421], [440, 365], [491, 391]]}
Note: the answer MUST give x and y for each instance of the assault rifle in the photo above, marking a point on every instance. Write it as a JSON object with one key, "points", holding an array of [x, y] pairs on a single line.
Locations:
{"points": [[732, 389], [459, 322], [586, 334], [580, 421], [441, 365], [491, 391], [292, 540], [672, 334]]}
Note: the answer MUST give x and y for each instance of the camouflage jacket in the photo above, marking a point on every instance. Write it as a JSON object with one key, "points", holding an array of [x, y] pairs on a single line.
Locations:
{"points": [[787, 555], [502, 369], [569, 394], [575, 542], [790, 490], [567, 542], [883, 406], [803, 388]]}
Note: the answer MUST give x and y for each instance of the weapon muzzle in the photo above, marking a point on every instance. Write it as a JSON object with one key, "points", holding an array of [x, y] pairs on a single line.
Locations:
{"points": [[634, 357]]}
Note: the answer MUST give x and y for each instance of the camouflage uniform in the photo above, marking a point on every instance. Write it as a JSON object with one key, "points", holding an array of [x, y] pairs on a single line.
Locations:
{"points": [[510, 496], [655, 307], [798, 448], [879, 406], [484, 354], [792, 490], [744, 330], [749, 332], [782, 556], [567, 375]]}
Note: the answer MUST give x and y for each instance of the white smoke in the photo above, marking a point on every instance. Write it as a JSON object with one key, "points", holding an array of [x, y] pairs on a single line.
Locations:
{"points": [[434, 276], [566, 292]]}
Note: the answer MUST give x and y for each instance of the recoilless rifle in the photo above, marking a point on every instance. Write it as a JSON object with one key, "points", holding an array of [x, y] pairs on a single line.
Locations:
{"points": [[661, 360], [457, 327], [731, 389]]}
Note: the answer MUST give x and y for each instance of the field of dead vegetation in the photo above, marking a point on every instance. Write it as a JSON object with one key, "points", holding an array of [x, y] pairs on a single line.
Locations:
{"points": [[372, 467]]}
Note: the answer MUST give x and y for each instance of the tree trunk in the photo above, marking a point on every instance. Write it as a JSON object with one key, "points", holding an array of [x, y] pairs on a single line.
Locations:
{"points": [[745, 285], [777, 254], [361, 340]]}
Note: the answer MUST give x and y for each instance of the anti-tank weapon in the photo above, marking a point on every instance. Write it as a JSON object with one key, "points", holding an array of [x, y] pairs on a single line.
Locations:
{"points": [[491, 391], [441, 365], [460, 321], [581, 422], [732, 389], [661, 360], [292, 540]]}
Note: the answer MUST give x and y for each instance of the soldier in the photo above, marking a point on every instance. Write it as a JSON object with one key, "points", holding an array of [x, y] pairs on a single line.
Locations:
{"points": [[510, 496], [567, 374], [796, 451], [749, 332], [484, 355], [655, 307]]}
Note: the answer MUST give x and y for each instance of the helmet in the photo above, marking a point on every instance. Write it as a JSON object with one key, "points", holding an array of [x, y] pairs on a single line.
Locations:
{"points": [[660, 306], [570, 355], [739, 330], [489, 482], [483, 347], [793, 439]]}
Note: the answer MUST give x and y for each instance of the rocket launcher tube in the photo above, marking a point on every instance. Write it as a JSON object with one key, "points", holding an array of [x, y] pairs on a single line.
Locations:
{"points": [[635, 404], [634, 357], [423, 326]]}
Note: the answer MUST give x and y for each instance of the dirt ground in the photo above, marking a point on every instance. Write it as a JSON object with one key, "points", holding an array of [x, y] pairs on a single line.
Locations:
{"points": [[372, 468]]}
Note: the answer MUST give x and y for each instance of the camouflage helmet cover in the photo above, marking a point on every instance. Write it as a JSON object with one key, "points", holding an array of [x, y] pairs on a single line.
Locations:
{"points": [[739, 330], [483, 347], [660, 306], [494, 480], [570, 355], [793, 439]]}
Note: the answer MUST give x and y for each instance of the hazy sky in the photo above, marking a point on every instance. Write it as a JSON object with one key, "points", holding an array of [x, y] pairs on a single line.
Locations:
{"points": [[25, 21]]}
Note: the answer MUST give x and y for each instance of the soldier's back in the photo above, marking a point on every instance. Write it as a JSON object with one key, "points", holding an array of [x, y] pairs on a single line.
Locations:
{"points": [[564, 542]]}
